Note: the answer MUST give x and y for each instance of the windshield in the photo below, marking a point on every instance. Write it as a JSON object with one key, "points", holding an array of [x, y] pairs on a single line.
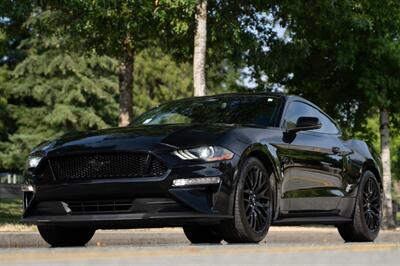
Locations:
{"points": [[256, 110]]}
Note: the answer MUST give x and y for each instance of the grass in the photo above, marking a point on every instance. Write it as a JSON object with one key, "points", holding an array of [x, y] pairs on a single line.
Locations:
{"points": [[10, 210], [10, 215]]}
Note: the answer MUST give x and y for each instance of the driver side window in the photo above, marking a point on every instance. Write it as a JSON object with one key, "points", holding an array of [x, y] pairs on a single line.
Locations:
{"points": [[298, 109]]}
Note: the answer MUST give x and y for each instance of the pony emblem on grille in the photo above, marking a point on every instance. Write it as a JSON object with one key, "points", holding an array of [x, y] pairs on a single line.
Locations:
{"points": [[96, 165]]}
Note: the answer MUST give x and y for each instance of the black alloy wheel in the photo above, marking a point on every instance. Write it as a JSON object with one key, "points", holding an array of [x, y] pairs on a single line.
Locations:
{"points": [[253, 206], [367, 212], [256, 199], [372, 204]]}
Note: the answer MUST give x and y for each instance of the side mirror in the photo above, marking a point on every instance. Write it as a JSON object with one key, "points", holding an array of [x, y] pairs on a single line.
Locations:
{"points": [[306, 123]]}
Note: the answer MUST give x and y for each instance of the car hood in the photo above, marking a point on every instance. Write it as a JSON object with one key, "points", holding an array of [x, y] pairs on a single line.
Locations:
{"points": [[149, 137]]}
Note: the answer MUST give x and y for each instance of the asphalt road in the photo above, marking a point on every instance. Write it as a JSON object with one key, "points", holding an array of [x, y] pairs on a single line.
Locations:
{"points": [[283, 246]]}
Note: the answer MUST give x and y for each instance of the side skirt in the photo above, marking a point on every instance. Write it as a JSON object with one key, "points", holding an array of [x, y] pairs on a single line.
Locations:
{"points": [[326, 220]]}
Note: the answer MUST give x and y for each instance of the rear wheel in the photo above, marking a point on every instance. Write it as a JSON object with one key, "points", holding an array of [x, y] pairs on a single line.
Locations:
{"points": [[58, 236], [202, 234], [253, 205], [367, 215]]}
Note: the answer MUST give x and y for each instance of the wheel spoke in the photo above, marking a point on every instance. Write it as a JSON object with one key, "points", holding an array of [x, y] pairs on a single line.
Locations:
{"points": [[248, 183], [256, 221], [262, 212], [252, 219], [366, 195], [374, 198], [373, 221], [255, 178], [266, 198], [368, 219], [263, 218], [263, 181], [375, 210], [259, 204], [262, 190], [371, 204], [256, 198], [369, 187], [248, 211]]}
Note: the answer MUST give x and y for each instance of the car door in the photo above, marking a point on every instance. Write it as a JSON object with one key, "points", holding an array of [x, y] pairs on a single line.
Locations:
{"points": [[312, 163]]}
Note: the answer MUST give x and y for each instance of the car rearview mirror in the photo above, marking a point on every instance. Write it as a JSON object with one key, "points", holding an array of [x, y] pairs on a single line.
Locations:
{"points": [[306, 123]]}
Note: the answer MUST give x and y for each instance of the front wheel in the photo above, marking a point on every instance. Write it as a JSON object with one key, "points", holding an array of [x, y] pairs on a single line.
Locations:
{"points": [[58, 236], [202, 234], [253, 205], [367, 215]]}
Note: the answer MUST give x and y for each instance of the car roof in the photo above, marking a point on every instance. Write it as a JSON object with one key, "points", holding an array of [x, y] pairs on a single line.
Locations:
{"points": [[288, 98], [281, 95], [238, 94]]}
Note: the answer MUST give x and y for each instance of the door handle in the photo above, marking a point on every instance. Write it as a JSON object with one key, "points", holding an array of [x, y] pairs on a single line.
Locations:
{"points": [[335, 150]]}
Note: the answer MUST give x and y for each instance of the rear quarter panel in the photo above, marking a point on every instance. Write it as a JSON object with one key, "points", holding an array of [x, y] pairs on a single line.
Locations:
{"points": [[362, 159]]}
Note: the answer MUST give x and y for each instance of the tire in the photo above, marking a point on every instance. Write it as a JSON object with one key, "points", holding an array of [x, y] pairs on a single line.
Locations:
{"points": [[202, 234], [253, 205], [58, 236], [367, 214]]}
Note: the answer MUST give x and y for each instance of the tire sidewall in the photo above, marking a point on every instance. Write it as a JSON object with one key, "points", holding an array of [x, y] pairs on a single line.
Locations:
{"points": [[58, 236]]}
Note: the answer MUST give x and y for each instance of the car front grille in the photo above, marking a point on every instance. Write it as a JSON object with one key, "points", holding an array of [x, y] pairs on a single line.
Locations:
{"points": [[106, 165]]}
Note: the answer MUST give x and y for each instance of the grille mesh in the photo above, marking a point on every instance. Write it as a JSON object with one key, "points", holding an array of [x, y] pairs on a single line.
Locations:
{"points": [[99, 206], [110, 165]]}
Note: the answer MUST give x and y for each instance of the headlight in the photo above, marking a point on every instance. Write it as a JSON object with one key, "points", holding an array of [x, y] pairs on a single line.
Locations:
{"points": [[33, 161], [206, 153]]}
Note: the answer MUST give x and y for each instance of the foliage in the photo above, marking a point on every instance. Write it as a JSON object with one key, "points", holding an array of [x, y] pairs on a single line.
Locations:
{"points": [[113, 27], [370, 133], [3, 104], [346, 49], [344, 56], [158, 79], [239, 32], [12, 16], [52, 92], [10, 211]]}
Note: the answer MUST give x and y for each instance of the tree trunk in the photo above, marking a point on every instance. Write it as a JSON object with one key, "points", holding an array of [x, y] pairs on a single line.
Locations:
{"points": [[200, 49], [125, 77], [388, 221]]}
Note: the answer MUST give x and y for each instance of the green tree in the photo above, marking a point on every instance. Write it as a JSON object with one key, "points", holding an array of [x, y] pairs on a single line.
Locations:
{"points": [[159, 79], [120, 29], [52, 92], [345, 56], [12, 16], [4, 127]]}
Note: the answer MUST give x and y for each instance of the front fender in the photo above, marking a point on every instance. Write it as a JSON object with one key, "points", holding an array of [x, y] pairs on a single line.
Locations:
{"points": [[267, 154]]}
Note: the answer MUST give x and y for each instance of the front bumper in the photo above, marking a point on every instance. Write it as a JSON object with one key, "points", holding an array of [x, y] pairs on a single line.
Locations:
{"points": [[154, 201], [131, 220]]}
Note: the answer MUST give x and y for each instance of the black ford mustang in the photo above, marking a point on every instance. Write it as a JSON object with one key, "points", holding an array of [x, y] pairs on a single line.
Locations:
{"points": [[223, 167]]}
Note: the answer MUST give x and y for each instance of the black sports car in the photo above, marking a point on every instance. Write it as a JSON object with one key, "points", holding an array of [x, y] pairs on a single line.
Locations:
{"points": [[223, 167]]}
